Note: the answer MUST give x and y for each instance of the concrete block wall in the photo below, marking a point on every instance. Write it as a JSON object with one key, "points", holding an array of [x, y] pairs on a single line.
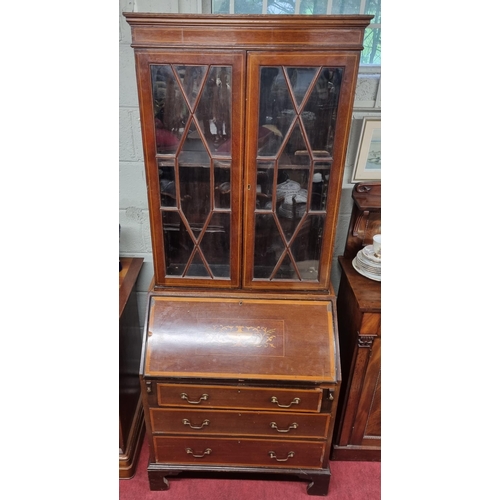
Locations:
{"points": [[135, 238]]}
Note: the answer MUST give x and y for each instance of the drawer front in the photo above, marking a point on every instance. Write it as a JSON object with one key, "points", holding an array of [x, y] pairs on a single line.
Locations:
{"points": [[252, 398], [232, 451], [370, 324], [206, 422]]}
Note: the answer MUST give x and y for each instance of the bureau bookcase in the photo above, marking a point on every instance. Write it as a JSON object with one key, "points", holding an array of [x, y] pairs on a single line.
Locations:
{"points": [[245, 122]]}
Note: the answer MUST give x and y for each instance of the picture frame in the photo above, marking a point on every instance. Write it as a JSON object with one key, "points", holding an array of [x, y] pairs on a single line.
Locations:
{"points": [[367, 166]]}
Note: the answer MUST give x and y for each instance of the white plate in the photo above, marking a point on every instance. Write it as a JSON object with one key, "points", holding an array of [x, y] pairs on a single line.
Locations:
{"points": [[367, 264], [364, 273], [370, 254], [371, 270]]}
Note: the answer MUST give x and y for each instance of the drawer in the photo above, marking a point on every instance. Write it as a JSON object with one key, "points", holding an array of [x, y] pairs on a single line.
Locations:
{"points": [[252, 398], [207, 422], [370, 324], [242, 452]]}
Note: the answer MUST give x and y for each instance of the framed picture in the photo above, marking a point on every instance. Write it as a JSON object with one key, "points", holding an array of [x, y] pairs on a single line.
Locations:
{"points": [[369, 156]]}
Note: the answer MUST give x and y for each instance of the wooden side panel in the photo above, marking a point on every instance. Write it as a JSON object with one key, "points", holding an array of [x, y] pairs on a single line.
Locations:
{"points": [[131, 420], [367, 423]]}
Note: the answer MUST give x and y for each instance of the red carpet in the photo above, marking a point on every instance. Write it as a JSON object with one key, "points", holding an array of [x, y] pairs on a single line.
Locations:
{"points": [[350, 481]]}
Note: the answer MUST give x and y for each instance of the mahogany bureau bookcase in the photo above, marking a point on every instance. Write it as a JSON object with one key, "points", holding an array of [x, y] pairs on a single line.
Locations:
{"points": [[357, 433], [245, 121]]}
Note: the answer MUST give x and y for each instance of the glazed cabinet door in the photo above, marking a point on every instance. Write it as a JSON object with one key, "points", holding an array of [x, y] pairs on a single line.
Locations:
{"points": [[191, 112], [298, 118]]}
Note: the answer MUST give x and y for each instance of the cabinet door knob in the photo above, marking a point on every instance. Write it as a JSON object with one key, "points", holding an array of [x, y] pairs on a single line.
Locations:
{"points": [[295, 401], [203, 397]]}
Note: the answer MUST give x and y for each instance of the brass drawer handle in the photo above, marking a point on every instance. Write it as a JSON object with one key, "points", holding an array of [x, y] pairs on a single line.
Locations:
{"points": [[185, 421], [274, 425], [273, 455], [189, 451], [203, 397], [295, 401]]}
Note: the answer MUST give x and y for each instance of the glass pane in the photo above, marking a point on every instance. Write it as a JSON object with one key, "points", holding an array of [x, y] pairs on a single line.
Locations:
{"points": [[320, 111], [247, 6], [320, 185], [178, 243], [214, 110], [222, 198], [276, 110], [346, 7], [295, 152], [301, 107], [265, 183], [373, 7], [220, 7], [191, 78], [269, 245], [372, 47], [313, 6], [168, 192], [193, 112], [292, 197], [197, 268], [374, 160], [300, 80], [281, 7], [286, 270], [195, 196], [169, 109], [306, 246], [193, 149], [215, 244]]}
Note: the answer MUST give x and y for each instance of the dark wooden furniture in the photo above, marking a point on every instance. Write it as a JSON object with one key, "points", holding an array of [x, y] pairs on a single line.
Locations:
{"points": [[366, 217], [131, 425], [245, 121], [358, 426]]}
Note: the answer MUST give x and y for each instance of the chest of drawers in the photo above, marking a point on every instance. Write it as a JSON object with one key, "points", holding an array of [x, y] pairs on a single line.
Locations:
{"points": [[240, 385]]}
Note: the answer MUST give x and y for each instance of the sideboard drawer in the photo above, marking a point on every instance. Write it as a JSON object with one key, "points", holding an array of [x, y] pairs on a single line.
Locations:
{"points": [[206, 422], [239, 397], [370, 323], [233, 451]]}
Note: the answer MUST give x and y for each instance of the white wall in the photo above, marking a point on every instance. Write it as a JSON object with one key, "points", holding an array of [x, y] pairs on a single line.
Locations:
{"points": [[135, 240]]}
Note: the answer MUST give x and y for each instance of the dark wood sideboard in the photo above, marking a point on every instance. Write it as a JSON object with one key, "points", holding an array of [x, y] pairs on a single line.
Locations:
{"points": [[130, 341], [357, 434]]}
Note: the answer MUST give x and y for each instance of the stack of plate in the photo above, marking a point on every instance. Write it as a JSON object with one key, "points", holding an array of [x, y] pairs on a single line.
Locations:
{"points": [[367, 263], [300, 199]]}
